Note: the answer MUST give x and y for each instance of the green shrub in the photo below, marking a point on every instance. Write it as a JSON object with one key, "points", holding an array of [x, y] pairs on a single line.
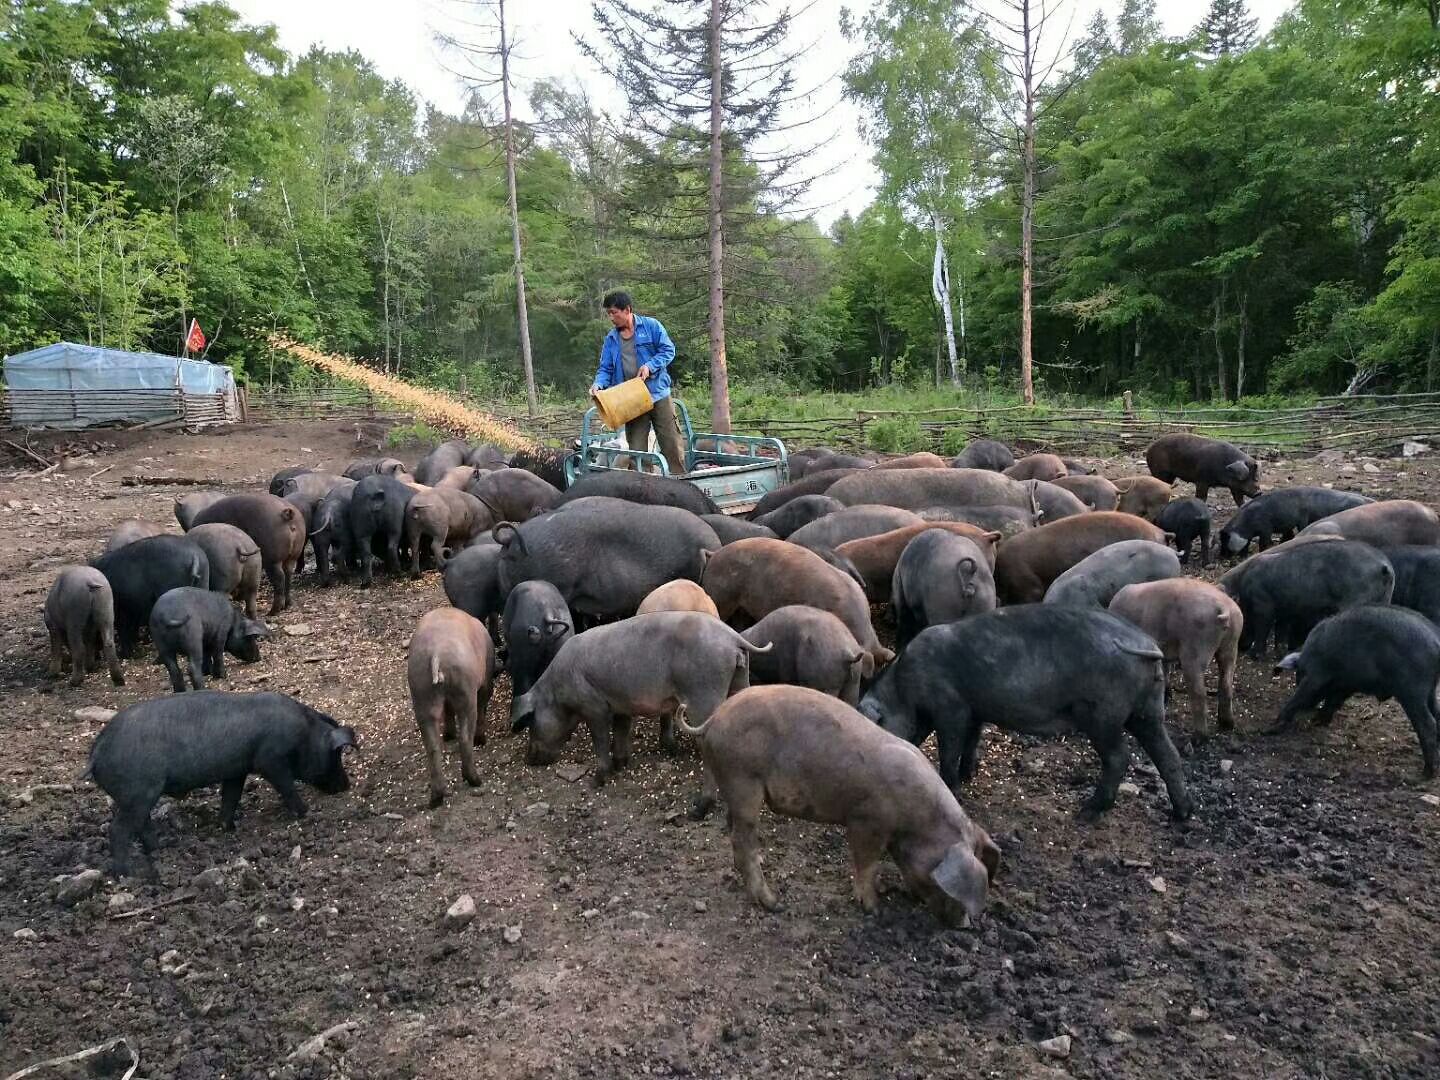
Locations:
{"points": [[895, 436], [412, 434]]}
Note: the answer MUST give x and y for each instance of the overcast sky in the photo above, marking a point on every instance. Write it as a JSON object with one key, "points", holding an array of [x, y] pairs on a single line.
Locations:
{"points": [[400, 40]]}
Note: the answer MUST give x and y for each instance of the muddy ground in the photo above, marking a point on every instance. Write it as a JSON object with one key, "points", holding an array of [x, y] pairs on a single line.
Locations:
{"points": [[1291, 930]]}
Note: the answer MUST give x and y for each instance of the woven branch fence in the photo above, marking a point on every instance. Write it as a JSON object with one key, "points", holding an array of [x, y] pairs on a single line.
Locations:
{"points": [[1361, 424]]}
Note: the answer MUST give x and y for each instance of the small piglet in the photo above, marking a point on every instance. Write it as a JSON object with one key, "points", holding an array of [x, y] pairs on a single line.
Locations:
{"points": [[806, 755], [451, 673], [80, 615], [173, 745], [202, 626]]}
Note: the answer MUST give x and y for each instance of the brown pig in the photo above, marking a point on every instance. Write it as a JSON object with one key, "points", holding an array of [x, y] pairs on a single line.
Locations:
{"points": [[1192, 622], [451, 673], [1143, 496], [1095, 492], [922, 460], [811, 648], [805, 754], [751, 578], [1028, 562], [1038, 467], [875, 556], [278, 529], [679, 595]]}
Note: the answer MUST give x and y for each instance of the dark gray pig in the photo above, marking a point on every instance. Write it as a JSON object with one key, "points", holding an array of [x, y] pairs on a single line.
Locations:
{"points": [[729, 529], [451, 672], [852, 523], [448, 455], [141, 573], [278, 529], [80, 616], [1095, 579], [1390, 523], [277, 482], [912, 489], [816, 482], [486, 456], [1387, 652], [1417, 578], [173, 745], [811, 648], [188, 506], [537, 623], [1283, 513], [331, 532], [605, 555], [514, 494], [316, 485], [1206, 463], [690, 659], [1053, 502], [127, 532], [358, 470], [984, 454], [1289, 590], [1188, 521], [202, 626], [1037, 669], [472, 584], [234, 562], [642, 488], [799, 512], [940, 577], [803, 754], [377, 519]]}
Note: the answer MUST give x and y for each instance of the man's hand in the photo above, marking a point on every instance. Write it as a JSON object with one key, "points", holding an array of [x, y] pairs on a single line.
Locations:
{"points": [[594, 389], [644, 372]]}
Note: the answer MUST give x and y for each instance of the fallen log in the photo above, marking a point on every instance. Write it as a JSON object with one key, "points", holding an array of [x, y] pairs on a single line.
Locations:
{"points": [[175, 481]]}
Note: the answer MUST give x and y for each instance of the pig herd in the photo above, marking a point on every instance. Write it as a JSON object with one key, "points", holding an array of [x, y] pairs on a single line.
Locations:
{"points": [[1030, 595]]}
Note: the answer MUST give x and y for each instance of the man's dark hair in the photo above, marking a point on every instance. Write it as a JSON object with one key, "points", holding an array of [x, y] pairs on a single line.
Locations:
{"points": [[619, 300]]}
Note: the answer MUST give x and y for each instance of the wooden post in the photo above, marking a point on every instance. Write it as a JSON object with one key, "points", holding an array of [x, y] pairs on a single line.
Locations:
{"points": [[1129, 399]]}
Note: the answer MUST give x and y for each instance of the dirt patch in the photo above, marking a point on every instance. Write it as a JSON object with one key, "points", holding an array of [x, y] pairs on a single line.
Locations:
{"points": [[1295, 934]]}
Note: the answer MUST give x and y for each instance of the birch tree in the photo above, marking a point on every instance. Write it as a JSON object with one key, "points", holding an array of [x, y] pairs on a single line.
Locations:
{"points": [[926, 73]]}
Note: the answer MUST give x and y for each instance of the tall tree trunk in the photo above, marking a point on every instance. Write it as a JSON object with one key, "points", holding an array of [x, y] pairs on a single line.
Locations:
{"points": [[719, 373], [1027, 211], [524, 314], [385, 278], [964, 348], [1432, 365], [940, 285], [1222, 381], [299, 256], [1240, 350]]}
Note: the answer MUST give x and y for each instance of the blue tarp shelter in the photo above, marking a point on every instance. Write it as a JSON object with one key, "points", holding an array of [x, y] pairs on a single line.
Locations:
{"points": [[69, 385]]}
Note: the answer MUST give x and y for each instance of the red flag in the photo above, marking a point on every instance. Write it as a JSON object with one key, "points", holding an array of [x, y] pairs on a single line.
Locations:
{"points": [[195, 340]]}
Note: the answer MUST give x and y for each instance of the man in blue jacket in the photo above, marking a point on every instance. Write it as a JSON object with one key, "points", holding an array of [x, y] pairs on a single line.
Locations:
{"points": [[639, 346]]}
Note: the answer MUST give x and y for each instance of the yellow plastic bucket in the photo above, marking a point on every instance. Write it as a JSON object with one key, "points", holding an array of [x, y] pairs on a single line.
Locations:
{"points": [[622, 403]]}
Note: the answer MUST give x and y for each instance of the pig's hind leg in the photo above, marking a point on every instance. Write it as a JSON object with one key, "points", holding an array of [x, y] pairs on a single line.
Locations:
{"points": [[866, 848], [744, 806]]}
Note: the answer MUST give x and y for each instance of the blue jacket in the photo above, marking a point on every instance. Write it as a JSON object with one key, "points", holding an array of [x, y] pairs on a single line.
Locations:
{"points": [[652, 346]]}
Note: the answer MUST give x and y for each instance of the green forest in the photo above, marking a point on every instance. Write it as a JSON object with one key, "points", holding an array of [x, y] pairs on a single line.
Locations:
{"points": [[1222, 216]]}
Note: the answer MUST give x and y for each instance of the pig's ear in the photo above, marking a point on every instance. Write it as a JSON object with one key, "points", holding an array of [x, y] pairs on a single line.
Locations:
{"points": [[342, 738], [1239, 470], [988, 852], [1290, 663], [963, 878]]}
